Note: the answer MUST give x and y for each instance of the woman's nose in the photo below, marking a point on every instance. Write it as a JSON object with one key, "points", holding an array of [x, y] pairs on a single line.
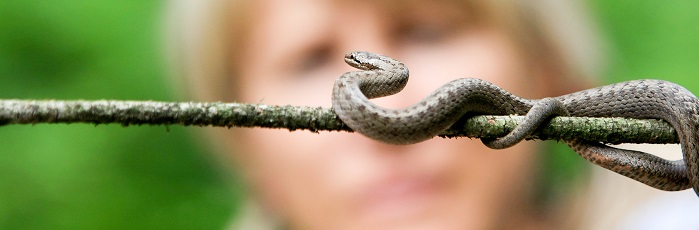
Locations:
{"points": [[362, 27]]}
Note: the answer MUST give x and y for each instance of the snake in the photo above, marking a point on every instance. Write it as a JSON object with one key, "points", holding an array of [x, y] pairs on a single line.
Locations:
{"points": [[380, 76]]}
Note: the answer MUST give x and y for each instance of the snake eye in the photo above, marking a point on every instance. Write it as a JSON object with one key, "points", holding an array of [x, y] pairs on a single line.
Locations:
{"points": [[351, 57]]}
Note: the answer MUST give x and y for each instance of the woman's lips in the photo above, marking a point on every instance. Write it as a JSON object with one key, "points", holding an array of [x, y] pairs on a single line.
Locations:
{"points": [[399, 197]]}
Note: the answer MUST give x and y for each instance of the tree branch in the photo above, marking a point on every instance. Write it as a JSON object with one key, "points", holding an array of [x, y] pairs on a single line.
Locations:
{"points": [[314, 119]]}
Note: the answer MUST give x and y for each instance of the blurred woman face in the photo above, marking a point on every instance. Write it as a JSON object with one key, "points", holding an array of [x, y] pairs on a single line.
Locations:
{"points": [[338, 180]]}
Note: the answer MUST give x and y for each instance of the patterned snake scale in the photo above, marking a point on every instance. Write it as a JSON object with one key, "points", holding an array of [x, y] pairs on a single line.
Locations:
{"points": [[382, 76]]}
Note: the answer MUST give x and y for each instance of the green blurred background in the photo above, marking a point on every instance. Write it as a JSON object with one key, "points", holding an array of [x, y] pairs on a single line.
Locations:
{"points": [[111, 177]]}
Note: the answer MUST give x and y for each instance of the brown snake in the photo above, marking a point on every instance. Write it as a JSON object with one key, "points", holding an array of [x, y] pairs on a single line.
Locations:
{"points": [[382, 76]]}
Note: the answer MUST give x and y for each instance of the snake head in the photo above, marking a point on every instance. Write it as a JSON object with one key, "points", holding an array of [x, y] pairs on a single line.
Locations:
{"points": [[367, 61]]}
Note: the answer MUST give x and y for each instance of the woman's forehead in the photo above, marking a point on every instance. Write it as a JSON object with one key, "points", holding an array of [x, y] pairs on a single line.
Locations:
{"points": [[312, 13]]}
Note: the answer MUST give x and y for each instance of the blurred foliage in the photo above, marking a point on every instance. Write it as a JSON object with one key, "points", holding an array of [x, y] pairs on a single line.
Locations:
{"points": [[110, 177], [105, 177], [651, 39]]}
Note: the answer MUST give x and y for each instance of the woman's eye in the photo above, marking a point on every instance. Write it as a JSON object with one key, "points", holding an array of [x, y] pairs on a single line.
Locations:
{"points": [[422, 34], [313, 60], [426, 32]]}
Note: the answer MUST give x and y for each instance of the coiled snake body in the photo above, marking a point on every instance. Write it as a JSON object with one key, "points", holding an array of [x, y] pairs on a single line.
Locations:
{"points": [[382, 76]]}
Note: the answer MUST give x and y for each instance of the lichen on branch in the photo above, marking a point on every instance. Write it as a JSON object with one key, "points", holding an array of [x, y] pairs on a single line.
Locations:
{"points": [[314, 119]]}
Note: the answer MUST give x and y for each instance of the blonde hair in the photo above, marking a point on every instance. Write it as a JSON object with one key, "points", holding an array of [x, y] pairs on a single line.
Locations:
{"points": [[199, 41]]}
